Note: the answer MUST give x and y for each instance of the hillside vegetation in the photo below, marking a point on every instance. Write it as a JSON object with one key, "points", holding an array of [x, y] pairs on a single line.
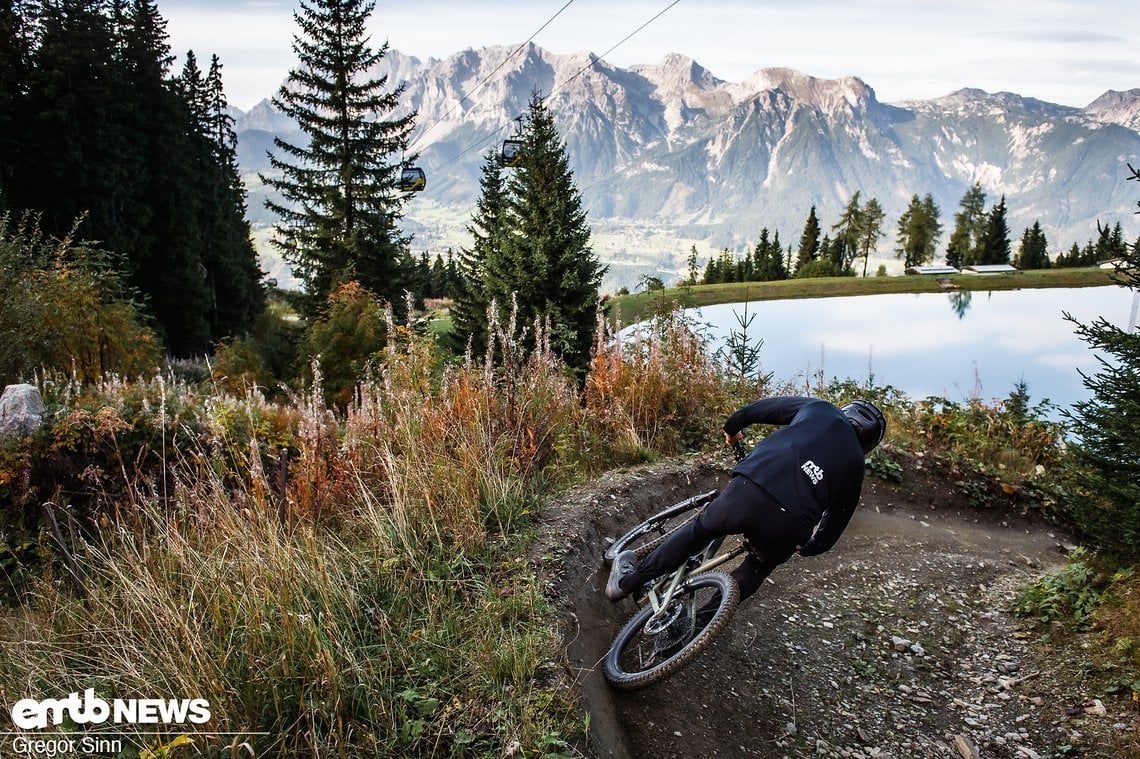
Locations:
{"points": [[376, 600]]}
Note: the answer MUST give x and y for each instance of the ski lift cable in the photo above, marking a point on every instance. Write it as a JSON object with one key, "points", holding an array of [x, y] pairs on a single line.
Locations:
{"points": [[557, 87], [487, 78], [626, 39]]}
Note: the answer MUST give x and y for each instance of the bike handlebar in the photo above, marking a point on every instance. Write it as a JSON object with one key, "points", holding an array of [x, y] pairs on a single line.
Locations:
{"points": [[739, 451]]}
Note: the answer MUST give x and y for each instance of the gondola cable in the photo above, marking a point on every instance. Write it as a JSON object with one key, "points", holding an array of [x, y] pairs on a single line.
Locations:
{"points": [[557, 87], [487, 78]]}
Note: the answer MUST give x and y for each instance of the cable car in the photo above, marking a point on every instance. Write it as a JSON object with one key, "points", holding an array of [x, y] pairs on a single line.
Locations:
{"points": [[511, 153], [412, 179]]}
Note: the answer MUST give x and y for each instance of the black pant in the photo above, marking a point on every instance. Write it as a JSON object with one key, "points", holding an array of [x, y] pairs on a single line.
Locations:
{"points": [[743, 508]]}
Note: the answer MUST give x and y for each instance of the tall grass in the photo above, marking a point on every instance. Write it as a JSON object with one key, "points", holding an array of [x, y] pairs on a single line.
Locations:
{"points": [[387, 608]]}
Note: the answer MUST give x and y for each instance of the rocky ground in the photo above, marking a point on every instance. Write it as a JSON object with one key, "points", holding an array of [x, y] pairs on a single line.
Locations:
{"points": [[897, 643]]}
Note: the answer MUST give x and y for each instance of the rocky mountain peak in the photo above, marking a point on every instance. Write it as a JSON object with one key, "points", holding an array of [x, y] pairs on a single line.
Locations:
{"points": [[828, 95], [1115, 107], [672, 146]]}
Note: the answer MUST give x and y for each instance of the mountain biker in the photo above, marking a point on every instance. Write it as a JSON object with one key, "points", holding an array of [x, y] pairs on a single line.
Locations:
{"points": [[796, 490]]}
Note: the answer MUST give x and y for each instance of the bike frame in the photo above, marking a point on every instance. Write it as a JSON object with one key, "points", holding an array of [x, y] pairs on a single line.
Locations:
{"points": [[659, 599], [661, 593]]}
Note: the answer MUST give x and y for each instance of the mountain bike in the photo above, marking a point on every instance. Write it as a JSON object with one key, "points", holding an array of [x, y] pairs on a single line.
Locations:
{"points": [[681, 612]]}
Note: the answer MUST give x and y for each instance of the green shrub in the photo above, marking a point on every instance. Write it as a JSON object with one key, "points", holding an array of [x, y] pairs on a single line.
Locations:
{"points": [[817, 268], [345, 339], [65, 306], [1069, 595]]}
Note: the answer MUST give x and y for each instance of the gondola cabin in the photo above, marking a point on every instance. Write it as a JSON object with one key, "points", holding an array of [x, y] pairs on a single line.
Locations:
{"points": [[511, 152], [412, 179]]}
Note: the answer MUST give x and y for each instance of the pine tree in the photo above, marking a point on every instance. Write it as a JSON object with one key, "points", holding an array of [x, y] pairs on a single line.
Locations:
{"points": [[1104, 499], [171, 269], [693, 272], [995, 242], [337, 221], [549, 268], [487, 228], [918, 231], [969, 226], [870, 229], [845, 243], [809, 240], [1034, 249], [15, 52]]}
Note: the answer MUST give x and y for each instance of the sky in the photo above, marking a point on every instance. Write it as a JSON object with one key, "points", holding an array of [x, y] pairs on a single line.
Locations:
{"points": [[1061, 51]]}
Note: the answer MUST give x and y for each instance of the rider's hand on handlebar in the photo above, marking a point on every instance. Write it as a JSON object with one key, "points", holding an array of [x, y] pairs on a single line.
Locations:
{"points": [[733, 439]]}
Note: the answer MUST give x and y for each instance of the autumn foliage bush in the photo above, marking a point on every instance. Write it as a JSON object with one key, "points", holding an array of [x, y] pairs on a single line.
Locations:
{"points": [[67, 308], [370, 600]]}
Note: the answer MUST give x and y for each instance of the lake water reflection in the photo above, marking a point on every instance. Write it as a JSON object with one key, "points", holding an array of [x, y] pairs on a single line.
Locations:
{"points": [[955, 345]]}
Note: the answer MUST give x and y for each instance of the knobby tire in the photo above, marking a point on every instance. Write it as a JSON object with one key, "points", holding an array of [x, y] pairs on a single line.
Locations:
{"points": [[626, 678], [647, 535]]}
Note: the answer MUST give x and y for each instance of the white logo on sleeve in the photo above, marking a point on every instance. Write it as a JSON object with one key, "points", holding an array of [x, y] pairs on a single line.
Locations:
{"points": [[812, 470]]}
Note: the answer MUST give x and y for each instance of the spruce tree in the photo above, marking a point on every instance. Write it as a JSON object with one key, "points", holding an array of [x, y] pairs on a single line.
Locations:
{"points": [[172, 268], [78, 157], [15, 51], [995, 242], [1110, 244], [337, 219], [548, 264], [1034, 249], [809, 240], [233, 273], [488, 230], [1104, 497], [110, 137]]}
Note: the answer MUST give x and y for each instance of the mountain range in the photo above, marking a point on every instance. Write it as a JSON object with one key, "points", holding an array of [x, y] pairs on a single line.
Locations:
{"points": [[669, 155]]}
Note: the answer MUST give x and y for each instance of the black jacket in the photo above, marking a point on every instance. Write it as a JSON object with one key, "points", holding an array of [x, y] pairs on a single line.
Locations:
{"points": [[813, 466]]}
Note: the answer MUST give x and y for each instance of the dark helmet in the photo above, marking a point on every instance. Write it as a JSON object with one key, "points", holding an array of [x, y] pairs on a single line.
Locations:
{"points": [[869, 423]]}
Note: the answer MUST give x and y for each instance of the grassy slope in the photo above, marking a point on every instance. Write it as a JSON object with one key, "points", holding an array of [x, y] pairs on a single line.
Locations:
{"points": [[633, 308]]}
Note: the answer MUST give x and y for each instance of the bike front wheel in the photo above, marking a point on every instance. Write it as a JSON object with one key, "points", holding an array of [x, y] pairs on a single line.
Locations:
{"points": [[651, 647], [649, 534]]}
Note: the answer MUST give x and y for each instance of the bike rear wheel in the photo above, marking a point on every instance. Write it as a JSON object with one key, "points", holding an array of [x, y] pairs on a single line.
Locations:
{"points": [[649, 534], [641, 654]]}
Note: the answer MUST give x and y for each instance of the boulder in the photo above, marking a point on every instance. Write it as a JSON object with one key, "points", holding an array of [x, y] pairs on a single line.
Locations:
{"points": [[21, 410]]}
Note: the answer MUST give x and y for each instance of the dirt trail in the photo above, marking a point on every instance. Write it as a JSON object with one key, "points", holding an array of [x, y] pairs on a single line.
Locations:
{"points": [[893, 644]]}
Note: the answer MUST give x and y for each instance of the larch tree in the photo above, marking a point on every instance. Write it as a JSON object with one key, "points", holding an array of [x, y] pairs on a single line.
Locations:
{"points": [[918, 231], [870, 229], [969, 228], [340, 197]]}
